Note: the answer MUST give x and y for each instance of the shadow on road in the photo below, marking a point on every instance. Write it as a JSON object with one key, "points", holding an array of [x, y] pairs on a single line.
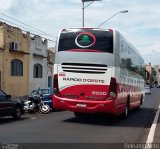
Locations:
{"points": [[137, 118], [5, 120]]}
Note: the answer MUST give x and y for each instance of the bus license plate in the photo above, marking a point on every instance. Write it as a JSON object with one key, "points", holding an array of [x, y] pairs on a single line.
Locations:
{"points": [[81, 105]]}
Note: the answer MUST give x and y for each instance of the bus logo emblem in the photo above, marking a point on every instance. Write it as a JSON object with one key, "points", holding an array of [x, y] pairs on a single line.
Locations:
{"points": [[85, 40]]}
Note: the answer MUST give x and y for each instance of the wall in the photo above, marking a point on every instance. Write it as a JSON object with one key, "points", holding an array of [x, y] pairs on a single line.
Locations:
{"points": [[1, 54], [51, 58], [157, 68], [38, 55], [15, 85]]}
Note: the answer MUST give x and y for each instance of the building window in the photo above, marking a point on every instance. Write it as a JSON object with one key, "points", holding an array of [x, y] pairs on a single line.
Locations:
{"points": [[37, 71], [16, 68]]}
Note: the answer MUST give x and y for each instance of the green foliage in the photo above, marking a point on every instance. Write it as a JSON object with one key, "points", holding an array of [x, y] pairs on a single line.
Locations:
{"points": [[154, 72]]}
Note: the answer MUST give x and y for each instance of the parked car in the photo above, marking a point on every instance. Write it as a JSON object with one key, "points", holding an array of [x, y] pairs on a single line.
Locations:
{"points": [[10, 106], [46, 95], [157, 86], [147, 90]]}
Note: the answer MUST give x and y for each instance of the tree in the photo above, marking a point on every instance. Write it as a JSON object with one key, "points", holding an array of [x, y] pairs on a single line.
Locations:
{"points": [[154, 72]]}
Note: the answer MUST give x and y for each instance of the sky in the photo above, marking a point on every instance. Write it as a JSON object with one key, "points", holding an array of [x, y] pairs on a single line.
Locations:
{"points": [[140, 26]]}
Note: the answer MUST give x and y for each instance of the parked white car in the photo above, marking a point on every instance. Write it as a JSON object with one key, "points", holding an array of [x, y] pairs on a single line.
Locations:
{"points": [[158, 85], [147, 90]]}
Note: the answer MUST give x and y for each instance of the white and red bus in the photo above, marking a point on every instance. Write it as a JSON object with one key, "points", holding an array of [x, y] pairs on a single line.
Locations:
{"points": [[97, 70]]}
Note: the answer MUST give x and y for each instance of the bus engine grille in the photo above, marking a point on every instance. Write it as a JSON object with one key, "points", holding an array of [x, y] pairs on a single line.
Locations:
{"points": [[84, 68]]}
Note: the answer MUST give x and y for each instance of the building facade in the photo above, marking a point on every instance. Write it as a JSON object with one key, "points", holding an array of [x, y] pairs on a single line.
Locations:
{"points": [[26, 63], [14, 60], [157, 69], [1, 53], [38, 69], [148, 68], [51, 58]]}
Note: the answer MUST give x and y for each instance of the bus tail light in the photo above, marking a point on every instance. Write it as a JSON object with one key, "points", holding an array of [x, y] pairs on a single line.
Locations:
{"points": [[113, 88], [55, 86]]}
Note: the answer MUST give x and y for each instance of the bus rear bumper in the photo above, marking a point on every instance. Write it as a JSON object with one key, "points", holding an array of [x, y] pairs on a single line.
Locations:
{"points": [[107, 106]]}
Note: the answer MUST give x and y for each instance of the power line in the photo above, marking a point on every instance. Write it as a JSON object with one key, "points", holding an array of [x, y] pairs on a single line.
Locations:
{"points": [[44, 33], [27, 31], [20, 11]]}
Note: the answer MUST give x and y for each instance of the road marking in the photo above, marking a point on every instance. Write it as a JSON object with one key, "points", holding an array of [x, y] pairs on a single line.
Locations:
{"points": [[153, 128]]}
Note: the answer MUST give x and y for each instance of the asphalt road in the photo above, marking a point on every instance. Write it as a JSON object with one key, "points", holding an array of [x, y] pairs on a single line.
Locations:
{"points": [[63, 127]]}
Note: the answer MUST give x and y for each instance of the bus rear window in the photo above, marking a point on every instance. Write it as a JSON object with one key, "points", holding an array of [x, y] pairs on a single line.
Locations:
{"points": [[86, 40]]}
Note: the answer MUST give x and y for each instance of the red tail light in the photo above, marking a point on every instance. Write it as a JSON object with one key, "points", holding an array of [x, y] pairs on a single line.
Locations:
{"points": [[55, 86], [113, 88]]}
